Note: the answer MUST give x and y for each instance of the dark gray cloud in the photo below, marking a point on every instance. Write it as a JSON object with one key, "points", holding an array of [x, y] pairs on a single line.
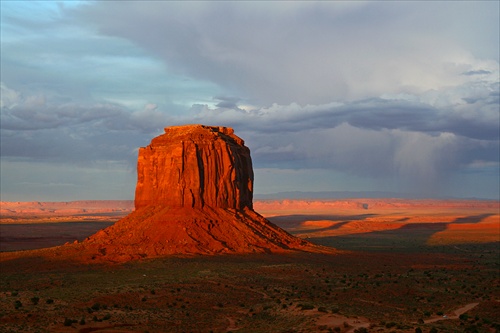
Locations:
{"points": [[372, 92], [477, 120], [227, 102], [417, 143], [477, 72], [35, 117], [405, 139], [82, 134], [305, 52]]}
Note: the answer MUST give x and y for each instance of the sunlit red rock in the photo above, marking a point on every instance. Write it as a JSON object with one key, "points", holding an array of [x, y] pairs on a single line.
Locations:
{"points": [[195, 166], [193, 196]]}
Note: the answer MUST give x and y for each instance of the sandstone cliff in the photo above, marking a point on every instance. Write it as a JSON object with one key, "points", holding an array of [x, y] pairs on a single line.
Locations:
{"points": [[195, 166]]}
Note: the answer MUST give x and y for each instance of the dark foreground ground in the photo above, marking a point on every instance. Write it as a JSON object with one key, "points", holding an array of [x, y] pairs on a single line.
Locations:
{"points": [[400, 269], [356, 292]]}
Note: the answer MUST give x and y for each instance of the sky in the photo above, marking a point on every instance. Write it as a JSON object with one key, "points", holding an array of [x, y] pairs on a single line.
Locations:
{"points": [[400, 97]]}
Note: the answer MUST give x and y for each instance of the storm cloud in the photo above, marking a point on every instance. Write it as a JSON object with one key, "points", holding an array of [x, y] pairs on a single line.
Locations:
{"points": [[402, 95]]}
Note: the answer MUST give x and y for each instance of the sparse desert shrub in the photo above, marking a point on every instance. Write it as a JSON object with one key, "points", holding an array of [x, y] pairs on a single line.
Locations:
{"points": [[49, 301], [68, 322], [390, 324], [433, 330], [107, 316], [35, 300], [418, 330], [96, 307], [471, 329], [361, 330], [82, 321], [306, 306], [18, 304]]}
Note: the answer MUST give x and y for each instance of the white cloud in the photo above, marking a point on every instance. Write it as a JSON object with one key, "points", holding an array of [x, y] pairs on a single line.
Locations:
{"points": [[149, 119], [8, 97]]}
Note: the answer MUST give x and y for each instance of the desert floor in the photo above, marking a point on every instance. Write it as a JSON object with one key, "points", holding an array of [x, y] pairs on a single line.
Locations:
{"points": [[402, 265]]}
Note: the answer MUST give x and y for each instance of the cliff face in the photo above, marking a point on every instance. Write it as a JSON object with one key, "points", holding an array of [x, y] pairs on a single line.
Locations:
{"points": [[195, 166], [193, 196]]}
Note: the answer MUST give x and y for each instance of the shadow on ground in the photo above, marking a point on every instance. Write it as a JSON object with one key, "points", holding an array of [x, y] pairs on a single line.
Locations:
{"points": [[296, 220], [410, 237]]}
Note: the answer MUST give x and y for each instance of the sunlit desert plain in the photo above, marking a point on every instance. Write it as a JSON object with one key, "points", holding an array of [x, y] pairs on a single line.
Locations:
{"points": [[400, 266]]}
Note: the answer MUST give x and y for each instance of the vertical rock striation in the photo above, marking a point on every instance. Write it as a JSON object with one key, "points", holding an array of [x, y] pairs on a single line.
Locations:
{"points": [[195, 166]]}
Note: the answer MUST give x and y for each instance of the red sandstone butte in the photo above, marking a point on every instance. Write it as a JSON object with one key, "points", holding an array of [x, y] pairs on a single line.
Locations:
{"points": [[195, 166], [193, 196]]}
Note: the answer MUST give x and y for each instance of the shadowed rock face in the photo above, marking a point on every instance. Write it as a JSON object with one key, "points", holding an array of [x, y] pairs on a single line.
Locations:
{"points": [[193, 196], [195, 166]]}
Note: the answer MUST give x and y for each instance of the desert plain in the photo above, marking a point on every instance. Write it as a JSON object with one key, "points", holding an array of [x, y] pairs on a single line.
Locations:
{"points": [[400, 265]]}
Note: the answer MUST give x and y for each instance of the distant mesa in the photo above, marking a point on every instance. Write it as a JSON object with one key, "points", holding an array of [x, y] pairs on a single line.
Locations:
{"points": [[193, 196]]}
